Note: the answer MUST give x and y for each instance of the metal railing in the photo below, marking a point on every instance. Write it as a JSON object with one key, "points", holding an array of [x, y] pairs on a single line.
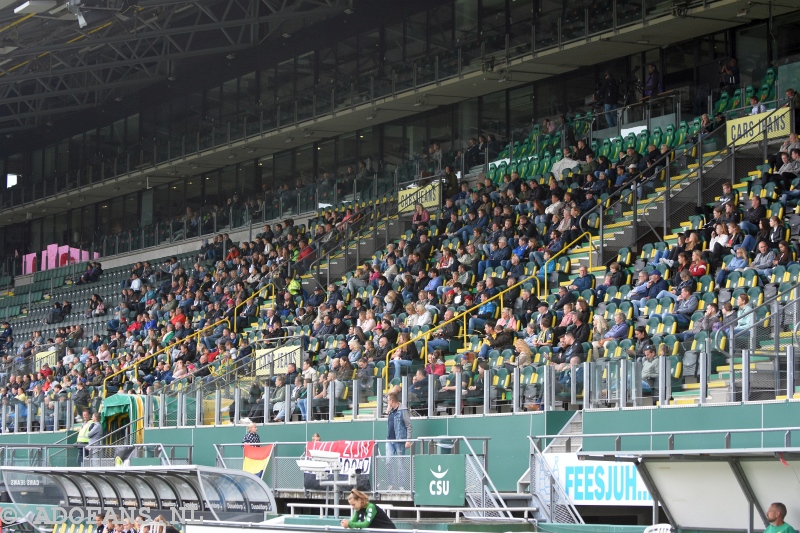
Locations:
{"points": [[400, 511], [106, 455], [152, 357], [709, 161], [465, 315], [387, 474], [546, 489]]}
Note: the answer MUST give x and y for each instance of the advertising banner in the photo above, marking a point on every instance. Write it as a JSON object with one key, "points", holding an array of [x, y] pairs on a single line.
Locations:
{"points": [[440, 480], [353, 454], [598, 482], [428, 196], [750, 129]]}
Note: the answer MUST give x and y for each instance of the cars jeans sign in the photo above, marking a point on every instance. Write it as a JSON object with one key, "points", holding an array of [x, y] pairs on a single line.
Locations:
{"points": [[751, 129], [439, 480]]}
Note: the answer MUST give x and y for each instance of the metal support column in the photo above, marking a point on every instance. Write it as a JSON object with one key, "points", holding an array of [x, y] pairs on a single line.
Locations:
{"points": [[432, 386], [198, 408], [789, 371], [745, 375], [457, 406], [379, 397], [487, 391], [356, 398], [704, 355], [516, 401]]}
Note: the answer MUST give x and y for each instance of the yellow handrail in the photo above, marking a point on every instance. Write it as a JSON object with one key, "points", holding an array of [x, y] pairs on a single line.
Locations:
{"points": [[135, 366], [258, 293], [465, 315]]}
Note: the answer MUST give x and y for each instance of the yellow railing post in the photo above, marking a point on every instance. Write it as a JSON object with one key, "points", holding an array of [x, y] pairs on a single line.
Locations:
{"points": [[259, 293], [159, 352], [464, 316]]}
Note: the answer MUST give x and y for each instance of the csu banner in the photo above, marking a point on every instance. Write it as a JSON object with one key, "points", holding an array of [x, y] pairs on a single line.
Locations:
{"points": [[439, 480], [353, 454], [597, 482], [750, 129]]}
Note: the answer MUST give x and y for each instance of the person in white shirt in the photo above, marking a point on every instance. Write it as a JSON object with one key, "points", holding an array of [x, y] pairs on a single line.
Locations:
{"points": [[136, 283], [757, 107], [565, 163]]}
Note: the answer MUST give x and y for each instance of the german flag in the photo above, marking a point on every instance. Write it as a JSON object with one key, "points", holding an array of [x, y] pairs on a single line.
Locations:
{"points": [[256, 458]]}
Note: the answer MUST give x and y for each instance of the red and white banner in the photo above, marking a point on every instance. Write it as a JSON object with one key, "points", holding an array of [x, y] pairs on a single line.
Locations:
{"points": [[353, 454]]}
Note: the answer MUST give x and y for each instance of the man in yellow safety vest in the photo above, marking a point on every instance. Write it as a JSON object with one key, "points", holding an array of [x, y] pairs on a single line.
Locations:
{"points": [[89, 433]]}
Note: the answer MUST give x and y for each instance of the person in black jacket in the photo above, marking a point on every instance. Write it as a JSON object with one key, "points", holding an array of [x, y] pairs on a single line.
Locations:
{"points": [[609, 95], [753, 215]]}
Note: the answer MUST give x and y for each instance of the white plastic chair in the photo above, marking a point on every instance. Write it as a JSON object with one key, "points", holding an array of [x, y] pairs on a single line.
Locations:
{"points": [[659, 528]]}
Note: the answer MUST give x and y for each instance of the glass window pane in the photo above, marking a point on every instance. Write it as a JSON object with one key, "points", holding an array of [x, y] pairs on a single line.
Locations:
{"points": [[34, 489], [248, 184], [267, 173], [394, 44], [213, 103], [227, 181], [520, 103], [211, 189], [493, 115], [49, 162], [164, 491], [73, 494], [304, 81], [416, 36], [187, 490], [89, 492], [326, 157], [326, 65], [394, 149], [36, 166], [234, 500], [146, 494], [786, 30], [131, 211], [123, 489], [283, 169], [230, 98], [304, 164], [108, 492], [751, 51], [441, 29]]}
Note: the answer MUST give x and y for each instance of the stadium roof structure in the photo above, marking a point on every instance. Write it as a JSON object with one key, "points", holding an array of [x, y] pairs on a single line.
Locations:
{"points": [[61, 56]]}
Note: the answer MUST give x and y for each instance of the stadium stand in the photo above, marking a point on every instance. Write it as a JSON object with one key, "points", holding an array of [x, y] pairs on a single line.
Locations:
{"points": [[507, 276]]}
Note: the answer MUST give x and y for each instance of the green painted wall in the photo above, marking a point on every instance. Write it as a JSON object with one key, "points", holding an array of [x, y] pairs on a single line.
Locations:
{"points": [[692, 418], [35, 438], [508, 448]]}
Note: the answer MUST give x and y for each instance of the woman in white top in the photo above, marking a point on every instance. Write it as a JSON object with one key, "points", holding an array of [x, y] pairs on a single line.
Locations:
{"points": [[368, 322], [719, 235], [424, 317]]}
